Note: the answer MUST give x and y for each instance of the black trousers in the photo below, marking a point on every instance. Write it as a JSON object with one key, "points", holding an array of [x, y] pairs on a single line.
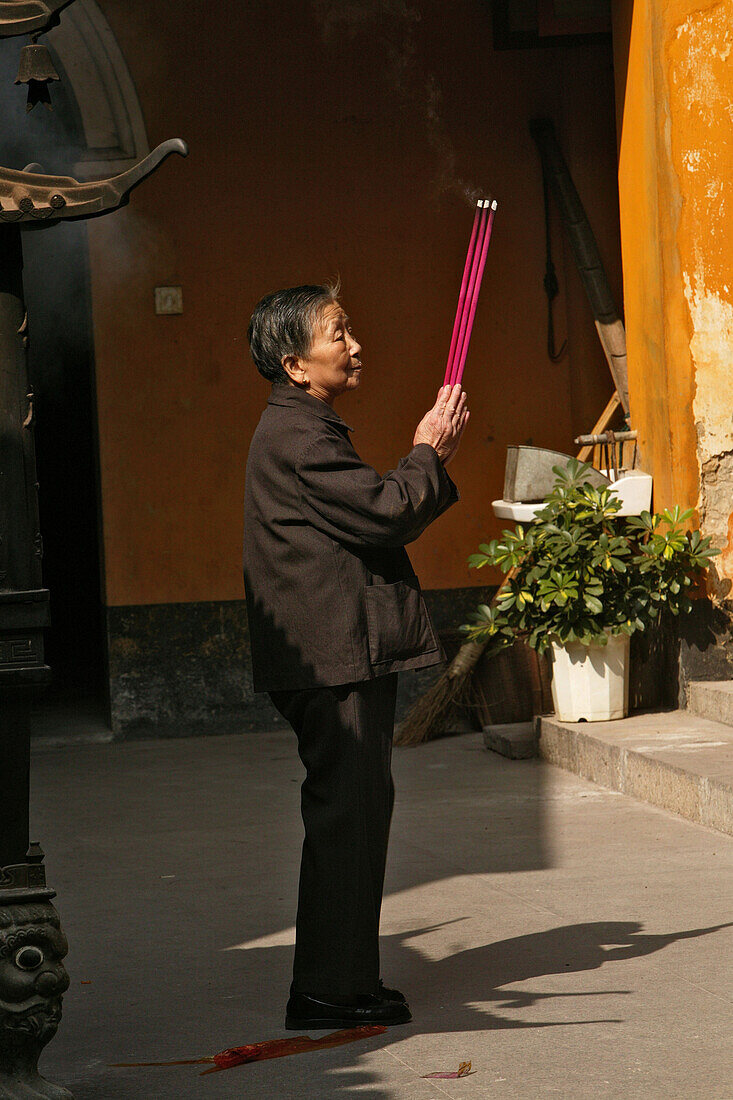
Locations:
{"points": [[345, 742]]}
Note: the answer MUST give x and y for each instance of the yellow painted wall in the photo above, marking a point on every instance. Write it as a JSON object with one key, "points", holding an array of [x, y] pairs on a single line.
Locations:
{"points": [[324, 146], [674, 65]]}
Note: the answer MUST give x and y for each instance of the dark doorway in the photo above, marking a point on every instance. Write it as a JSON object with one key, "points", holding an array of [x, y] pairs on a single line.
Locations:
{"points": [[61, 364], [62, 370]]}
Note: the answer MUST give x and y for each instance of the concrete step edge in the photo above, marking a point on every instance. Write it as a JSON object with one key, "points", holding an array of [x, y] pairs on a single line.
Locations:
{"points": [[697, 798], [712, 699]]}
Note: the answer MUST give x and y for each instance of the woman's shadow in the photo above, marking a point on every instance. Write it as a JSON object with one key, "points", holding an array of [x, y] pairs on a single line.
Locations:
{"points": [[449, 989], [444, 993]]}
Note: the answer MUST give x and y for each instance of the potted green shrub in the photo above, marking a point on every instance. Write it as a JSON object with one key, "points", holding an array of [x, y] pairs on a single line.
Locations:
{"points": [[581, 581]]}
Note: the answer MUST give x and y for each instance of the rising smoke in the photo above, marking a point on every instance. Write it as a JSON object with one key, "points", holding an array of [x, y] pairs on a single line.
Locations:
{"points": [[393, 24]]}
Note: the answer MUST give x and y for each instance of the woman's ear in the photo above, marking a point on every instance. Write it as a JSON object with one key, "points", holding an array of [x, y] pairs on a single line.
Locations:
{"points": [[294, 369]]}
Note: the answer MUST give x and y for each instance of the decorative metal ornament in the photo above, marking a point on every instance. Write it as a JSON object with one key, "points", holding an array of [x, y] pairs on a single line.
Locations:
{"points": [[37, 70], [29, 16], [36, 197]]}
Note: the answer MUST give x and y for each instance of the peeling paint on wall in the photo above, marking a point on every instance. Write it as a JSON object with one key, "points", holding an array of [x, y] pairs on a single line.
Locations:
{"points": [[700, 82], [711, 346], [716, 518]]}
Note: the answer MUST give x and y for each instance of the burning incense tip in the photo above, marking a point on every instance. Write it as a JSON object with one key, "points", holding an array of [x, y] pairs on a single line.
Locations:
{"points": [[494, 204]]}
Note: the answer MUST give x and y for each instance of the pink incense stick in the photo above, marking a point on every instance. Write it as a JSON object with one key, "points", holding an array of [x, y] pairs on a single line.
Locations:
{"points": [[459, 361], [469, 294], [464, 288]]}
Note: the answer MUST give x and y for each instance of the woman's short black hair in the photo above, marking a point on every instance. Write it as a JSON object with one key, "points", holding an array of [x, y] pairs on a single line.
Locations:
{"points": [[282, 324]]}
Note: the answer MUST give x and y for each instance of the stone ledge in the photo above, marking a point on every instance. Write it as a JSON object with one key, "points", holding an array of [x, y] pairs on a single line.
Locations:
{"points": [[514, 740], [711, 699], [674, 760]]}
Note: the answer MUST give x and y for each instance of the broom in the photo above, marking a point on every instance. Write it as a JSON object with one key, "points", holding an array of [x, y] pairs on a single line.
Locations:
{"points": [[430, 716], [428, 719]]}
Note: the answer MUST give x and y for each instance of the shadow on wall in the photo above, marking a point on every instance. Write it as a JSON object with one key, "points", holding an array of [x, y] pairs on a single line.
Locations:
{"points": [[705, 645]]}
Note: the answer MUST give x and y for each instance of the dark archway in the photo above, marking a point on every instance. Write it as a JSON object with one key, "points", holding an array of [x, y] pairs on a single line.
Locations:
{"points": [[96, 129], [61, 365]]}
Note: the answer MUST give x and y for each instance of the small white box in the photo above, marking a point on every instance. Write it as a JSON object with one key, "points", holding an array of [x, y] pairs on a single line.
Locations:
{"points": [[168, 299]]}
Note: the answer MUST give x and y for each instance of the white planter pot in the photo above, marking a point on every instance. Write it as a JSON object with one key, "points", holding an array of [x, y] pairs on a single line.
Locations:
{"points": [[591, 682]]}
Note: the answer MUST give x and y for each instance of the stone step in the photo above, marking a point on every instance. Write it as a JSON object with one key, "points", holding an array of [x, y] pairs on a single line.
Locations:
{"points": [[515, 740], [673, 759], [711, 699]]}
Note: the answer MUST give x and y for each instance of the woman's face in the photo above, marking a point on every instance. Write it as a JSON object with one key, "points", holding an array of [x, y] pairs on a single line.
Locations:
{"points": [[333, 365]]}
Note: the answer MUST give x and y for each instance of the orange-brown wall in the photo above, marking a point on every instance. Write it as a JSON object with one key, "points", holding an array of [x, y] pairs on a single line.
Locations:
{"points": [[674, 88], [661, 379], [312, 155]]}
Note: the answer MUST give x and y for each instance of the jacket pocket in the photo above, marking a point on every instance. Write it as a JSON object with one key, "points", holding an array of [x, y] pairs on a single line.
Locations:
{"points": [[398, 623]]}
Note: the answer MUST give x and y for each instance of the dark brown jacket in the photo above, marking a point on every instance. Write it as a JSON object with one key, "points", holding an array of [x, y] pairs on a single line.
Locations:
{"points": [[331, 595]]}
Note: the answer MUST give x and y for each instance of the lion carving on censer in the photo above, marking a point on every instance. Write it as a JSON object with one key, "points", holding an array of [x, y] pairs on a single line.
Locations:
{"points": [[33, 980]]}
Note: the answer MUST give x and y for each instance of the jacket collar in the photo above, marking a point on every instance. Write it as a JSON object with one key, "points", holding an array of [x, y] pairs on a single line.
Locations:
{"points": [[293, 397]]}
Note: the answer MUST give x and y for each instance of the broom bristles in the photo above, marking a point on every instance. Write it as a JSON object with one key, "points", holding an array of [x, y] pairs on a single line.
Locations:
{"points": [[428, 718], [428, 712]]}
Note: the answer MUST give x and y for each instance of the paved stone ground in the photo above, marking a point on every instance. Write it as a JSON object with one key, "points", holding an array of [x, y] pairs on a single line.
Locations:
{"points": [[566, 939]]}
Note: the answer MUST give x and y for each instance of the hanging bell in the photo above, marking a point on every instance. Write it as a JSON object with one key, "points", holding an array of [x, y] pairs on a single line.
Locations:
{"points": [[37, 70]]}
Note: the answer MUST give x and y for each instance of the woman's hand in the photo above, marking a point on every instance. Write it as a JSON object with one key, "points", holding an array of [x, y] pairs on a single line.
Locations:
{"points": [[443, 426]]}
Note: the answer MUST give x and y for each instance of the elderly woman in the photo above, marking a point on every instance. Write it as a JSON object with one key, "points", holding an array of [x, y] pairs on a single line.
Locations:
{"points": [[335, 612]]}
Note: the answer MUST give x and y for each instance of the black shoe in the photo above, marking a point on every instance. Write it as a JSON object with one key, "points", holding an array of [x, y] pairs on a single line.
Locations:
{"points": [[309, 1012], [391, 994]]}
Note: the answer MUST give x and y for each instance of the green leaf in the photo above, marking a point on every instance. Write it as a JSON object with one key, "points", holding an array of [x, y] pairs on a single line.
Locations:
{"points": [[581, 568], [477, 561]]}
